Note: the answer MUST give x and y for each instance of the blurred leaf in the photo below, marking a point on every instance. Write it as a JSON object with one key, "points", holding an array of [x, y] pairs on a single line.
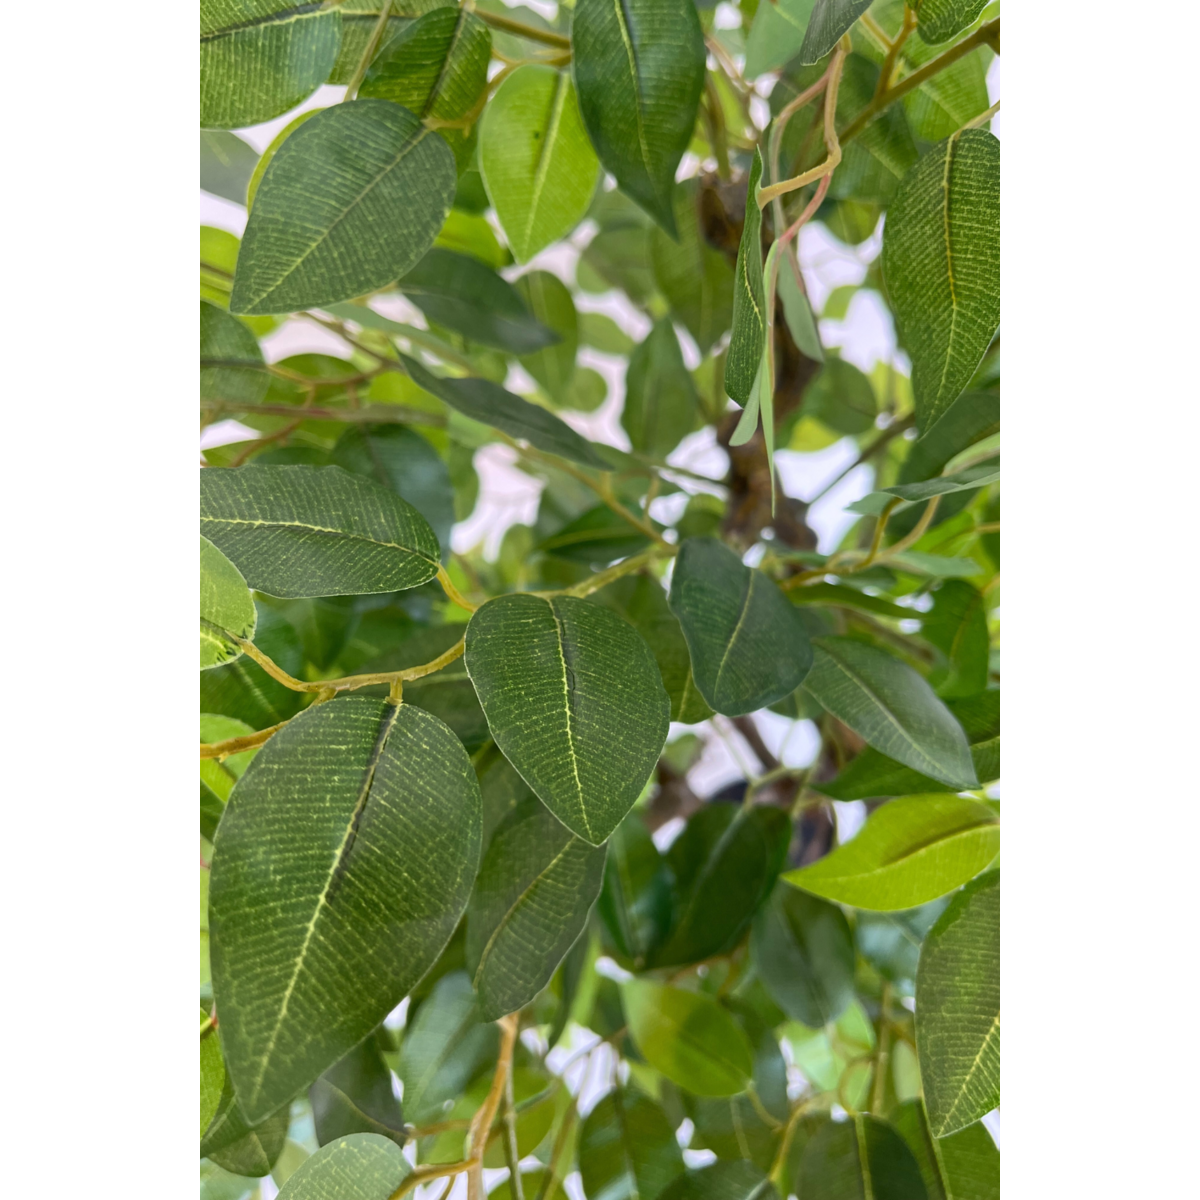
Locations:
{"points": [[965, 1164], [355, 1096], [635, 901], [829, 20], [776, 35], [235, 1144], [231, 364], [212, 1075], [549, 300], [891, 941], [603, 333], [862, 1156], [627, 1148], [226, 164], [660, 398], [957, 626], [722, 1181], [598, 536]]}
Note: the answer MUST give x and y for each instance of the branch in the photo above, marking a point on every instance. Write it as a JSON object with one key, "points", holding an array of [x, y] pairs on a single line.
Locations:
{"points": [[369, 49], [528, 32]]}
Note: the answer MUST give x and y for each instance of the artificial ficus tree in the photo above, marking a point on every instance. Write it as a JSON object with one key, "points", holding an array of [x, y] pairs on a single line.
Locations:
{"points": [[453, 842]]}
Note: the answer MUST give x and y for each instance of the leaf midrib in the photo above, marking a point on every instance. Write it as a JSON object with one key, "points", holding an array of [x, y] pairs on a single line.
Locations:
{"points": [[542, 168], [301, 527]]}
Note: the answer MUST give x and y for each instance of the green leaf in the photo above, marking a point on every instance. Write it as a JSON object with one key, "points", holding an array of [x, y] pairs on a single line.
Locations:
{"points": [[748, 644], [635, 901], [639, 67], [536, 886], [729, 1180], [861, 1157], [803, 952], [689, 1037], [359, 18], [231, 363], [574, 700], [297, 907], [627, 1148], [660, 398], [603, 333], [260, 168], [259, 58], [957, 626], [910, 851], [315, 531], [235, 1144], [212, 1075], [776, 35], [725, 863], [696, 279], [400, 459], [972, 417], [749, 338], [941, 261], [355, 1096], [549, 300], [891, 708], [538, 166], [965, 1164], [829, 20], [891, 942], [462, 294], [483, 400], [597, 536], [958, 1009], [349, 203], [841, 398], [226, 608], [967, 480], [948, 100], [226, 164], [363, 1166], [940, 20], [797, 311]]}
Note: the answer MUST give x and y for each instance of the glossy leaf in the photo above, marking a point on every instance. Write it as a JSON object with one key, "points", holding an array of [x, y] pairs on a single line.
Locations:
{"points": [[226, 164], [891, 708], [538, 166], [212, 1075], [957, 626], [748, 644], [829, 20], [627, 1148], [574, 700], [355, 1096], [749, 336], [639, 67], [635, 901], [962, 1165], [940, 20], [549, 300], [226, 608], [295, 907], [958, 1009], [913, 849], [231, 364], [660, 398], [315, 531], [735, 1180], [350, 202], [941, 261], [363, 1166], [858, 1158], [237, 1145], [689, 1037], [258, 58]]}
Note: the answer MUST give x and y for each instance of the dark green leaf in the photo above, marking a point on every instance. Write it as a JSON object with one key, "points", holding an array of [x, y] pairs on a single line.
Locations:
{"points": [[212, 1075], [940, 20], [891, 942], [231, 364], [226, 164], [226, 608], [749, 299], [842, 398], [964, 1164], [627, 1148], [635, 902], [549, 300], [660, 398], [858, 1158], [355, 1096], [957, 626], [363, 1166], [597, 536], [967, 480], [723, 1181], [829, 20], [972, 417], [233, 1143]]}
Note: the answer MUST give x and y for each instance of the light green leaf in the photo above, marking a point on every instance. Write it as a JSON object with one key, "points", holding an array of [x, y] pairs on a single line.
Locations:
{"points": [[226, 164], [747, 425], [912, 850], [803, 952], [212, 1075], [957, 626], [231, 363], [660, 398], [829, 20], [549, 300], [536, 886], [315, 531], [940, 20], [603, 333], [297, 907], [235, 1144], [776, 35], [226, 607], [573, 698], [627, 1148], [891, 708], [941, 261], [966, 480], [355, 1096], [258, 58], [748, 644], [735, 1179], [962, 1166], [689, 1037], [639, 68], [363, 1166], [349, 203], [635, 901], [485, 401], [958, 1009], [744, 357], [538, 166], [861, 1157], [797, 311]]}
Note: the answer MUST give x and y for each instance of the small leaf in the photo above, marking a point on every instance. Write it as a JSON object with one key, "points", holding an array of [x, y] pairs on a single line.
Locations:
{"points": [[891, 708], [315, 531], [627, 1148], [355, 1096], [749, 337], [635, 901], [797, 311], [689, 1037], [969, 479], [226, 608], [940, 20], [549, 300], [730, 1180], [363, 1166], [234, 1143], [536, 886], [660, 397], [957, 626], [748, 644], [574, 700], [538, 166], [231, 364], [863, 1156], [212, 1075], [829, 20], [350, 202], [226, 164], [958, 1009], [964, 1164], [910, 851], [639, 67]]}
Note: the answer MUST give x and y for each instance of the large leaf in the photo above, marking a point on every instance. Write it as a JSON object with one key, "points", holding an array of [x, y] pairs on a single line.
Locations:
{"points": [[829, 20], [627, 1148], [258, 58], [573, 698], [940, 20], [231, 363], [748, 645], [749, 336], [730, 1180], [315, 531], [962, 1166], [485, 401], [237, 1145], [957, 626], [349, 203], [639, 68], [804, 954], [891, 708], [536, 886], [355, 1096], [972, 417], [296, 907], [660, 397], [549, 300], [858, 1159], [226, 164], [969, 479], [725, 864], [913, 849], [941, 261], [689, 1037], [958, 1009], [538, 166], [226, 607], [363, 1166], [635, 901]]}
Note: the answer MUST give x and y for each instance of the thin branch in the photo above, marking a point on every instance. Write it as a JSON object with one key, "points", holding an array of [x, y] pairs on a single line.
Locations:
{"points": [[983, 118], [452, 592], [369, 50], [892, 431], [373, 414], [528, 32], [889, 63], [236, 745]]}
